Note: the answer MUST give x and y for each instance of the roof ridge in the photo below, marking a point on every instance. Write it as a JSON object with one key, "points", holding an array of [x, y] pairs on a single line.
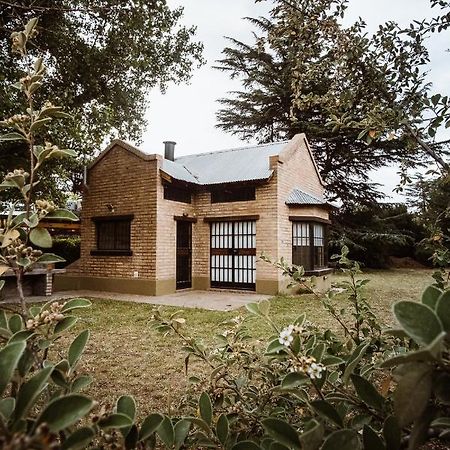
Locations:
{"points": [[233, 149]]}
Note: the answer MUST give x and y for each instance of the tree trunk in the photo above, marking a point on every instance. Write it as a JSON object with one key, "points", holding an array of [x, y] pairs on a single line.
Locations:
{"points": [[19, 279]]}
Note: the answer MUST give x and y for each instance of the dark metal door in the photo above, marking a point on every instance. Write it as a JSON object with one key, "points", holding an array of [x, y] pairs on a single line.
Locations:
{"points": [[233, 255], [184, 254]]}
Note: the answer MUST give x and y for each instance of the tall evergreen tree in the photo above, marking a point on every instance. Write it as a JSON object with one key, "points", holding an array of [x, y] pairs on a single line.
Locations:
{"points": [[302, 66]]}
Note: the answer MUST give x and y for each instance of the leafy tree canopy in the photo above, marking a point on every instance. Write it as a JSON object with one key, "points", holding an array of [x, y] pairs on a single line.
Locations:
{"points": [[308, 73], [103, 56]]}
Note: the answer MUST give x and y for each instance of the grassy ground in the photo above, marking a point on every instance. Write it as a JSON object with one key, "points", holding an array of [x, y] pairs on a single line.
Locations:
{"points": [[125, 355]]}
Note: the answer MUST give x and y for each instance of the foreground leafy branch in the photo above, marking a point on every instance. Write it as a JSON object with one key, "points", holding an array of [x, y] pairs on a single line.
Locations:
{"points": [[22, 230]]}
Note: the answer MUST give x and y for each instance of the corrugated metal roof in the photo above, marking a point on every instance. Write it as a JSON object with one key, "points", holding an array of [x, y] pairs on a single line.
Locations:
{"points": [[299, 197], [226, 166], [178, 171]]}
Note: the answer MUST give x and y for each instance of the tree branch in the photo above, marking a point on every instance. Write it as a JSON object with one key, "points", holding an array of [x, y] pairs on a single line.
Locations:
{"points": [[427, 148]]}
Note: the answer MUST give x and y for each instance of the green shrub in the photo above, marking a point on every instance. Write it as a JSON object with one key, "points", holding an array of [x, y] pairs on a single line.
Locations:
{"points": [[68, 247], [374, 233], [306, 388]]}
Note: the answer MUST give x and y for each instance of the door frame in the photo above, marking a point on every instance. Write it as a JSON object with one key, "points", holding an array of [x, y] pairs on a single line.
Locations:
{"points": [[233, 251], [183, 252]]}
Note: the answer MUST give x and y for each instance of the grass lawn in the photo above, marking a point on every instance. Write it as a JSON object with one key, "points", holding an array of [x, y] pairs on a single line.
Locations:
{"points": [[125, 355]]}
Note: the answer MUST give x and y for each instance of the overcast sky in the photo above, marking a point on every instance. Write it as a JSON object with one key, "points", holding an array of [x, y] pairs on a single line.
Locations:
{"points": [[186, 113]]}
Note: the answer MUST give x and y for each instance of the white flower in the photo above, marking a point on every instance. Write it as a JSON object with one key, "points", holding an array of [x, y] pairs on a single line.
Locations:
{"points": [[286, 337], [315, 370]]}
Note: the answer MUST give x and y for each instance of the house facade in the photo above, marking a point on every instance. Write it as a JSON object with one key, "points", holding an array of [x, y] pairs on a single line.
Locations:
{"points": [[153, 225]]}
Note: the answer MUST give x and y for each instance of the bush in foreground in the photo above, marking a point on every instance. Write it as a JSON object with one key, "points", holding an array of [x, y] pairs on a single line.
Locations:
{"points": [[306, 388]]}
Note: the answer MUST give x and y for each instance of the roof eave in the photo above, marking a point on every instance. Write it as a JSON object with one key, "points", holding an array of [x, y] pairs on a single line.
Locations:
{"points": [[317, 205], [221, 183]]}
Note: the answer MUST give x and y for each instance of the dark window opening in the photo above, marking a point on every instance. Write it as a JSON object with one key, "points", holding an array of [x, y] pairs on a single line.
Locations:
{"points": [[177, 194], [309, 245], [113, 236], [238, 194]]}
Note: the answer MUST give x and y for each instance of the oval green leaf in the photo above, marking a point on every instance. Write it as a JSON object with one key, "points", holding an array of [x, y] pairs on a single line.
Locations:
{"points": [[342, 440], [9, 358], [79, 439], [205, 407], [430, 296], [15, 323], [294, 379], [282, 432], [418, 320], [65, 324], [392, 433], [371, 440], [62, 214], [41, 237], [166, 432], [49, 258], [77, 347], [115, 421], [80, 383], [181, 430], [150, 425], [443, 310], [7, 406], [76, 303], [327, 411], [222, 428], [63, 412], [367, 392], [126, 405], [413, 392], [30, 391]]}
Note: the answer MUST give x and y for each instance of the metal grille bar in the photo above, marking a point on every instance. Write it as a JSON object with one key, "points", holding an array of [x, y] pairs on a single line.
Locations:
{"points": [[233, 254]]}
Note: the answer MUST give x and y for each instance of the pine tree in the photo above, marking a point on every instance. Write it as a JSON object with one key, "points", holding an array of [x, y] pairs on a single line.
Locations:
{"points": [[302, 70]]}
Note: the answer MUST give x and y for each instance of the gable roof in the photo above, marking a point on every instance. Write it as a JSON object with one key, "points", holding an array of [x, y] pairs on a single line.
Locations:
{"points": [[225, 166], [299, 197], [251, 163], [126, 146]]}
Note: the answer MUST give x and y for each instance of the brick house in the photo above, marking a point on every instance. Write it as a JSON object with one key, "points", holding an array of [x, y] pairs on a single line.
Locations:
{"points": [[153, 224]]}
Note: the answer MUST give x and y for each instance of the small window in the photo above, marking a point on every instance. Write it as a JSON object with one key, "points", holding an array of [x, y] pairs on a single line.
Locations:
{"points": [[309, 245], [319, 246], [238, 194], [113, 236], [177, 193]]}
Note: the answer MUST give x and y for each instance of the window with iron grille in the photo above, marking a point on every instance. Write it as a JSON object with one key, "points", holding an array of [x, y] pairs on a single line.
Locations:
{"points": [[113, 235], [177, 193], [235, 194], [309, 245]]}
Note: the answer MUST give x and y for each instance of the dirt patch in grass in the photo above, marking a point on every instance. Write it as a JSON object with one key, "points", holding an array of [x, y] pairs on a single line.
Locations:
{"points": [[125, 355]]}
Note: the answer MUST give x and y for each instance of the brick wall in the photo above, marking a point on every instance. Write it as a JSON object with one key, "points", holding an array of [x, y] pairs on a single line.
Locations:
{"points": [[265, 206], [166, 232], [127, 182], [296, 169], [201, 207]]}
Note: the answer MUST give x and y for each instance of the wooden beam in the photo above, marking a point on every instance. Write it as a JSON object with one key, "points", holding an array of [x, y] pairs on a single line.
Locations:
{"points": [[112, 218], [308, 219], [185, 219], [61, 225], [230, 218]]}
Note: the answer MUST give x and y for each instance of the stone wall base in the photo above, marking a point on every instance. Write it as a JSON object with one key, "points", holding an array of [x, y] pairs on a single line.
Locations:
{"points": [[140, 286]]}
